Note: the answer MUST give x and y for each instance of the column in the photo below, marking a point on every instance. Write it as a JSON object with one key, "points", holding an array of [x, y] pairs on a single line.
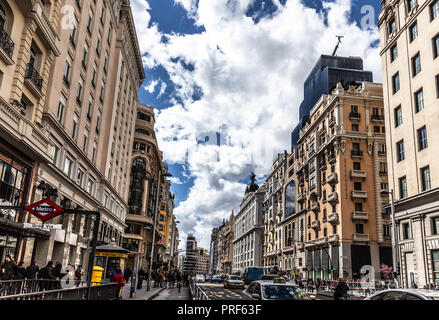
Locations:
{"points": [[420, 268]]}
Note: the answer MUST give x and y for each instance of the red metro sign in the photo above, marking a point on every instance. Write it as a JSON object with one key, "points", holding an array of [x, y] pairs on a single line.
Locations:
{"points": [[44, 209]]}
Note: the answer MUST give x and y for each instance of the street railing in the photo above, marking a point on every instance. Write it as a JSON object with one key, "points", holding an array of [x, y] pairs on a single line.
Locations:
{"points": [[196, 292], [27, 286]]}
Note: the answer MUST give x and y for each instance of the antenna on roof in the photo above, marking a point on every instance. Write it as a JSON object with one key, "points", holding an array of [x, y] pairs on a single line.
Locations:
{"points": [[336, 47]]}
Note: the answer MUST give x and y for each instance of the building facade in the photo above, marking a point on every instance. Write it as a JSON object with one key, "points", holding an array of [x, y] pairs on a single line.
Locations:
{"points": [[190, 261], [341, 170], [409, 55], [274, 209], [214, 242], [227, 237], [202, 264], [249, 229]]}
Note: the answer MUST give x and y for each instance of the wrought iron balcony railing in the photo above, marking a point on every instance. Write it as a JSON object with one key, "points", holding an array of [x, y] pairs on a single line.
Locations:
{"points": [[6, 43], [33, 75]]}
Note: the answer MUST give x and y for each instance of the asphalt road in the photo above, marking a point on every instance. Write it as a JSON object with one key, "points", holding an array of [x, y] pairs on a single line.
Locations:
{"points": [[216, 291]]}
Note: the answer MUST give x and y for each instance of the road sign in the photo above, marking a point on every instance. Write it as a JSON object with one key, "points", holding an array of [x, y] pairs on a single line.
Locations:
{"points": [[42, 226], [44, 209]]}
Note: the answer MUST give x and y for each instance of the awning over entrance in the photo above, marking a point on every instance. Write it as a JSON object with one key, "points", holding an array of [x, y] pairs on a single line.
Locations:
{"points": [[16, 229]]}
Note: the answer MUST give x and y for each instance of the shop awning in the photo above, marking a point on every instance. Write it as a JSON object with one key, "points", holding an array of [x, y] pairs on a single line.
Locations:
{"points": [[112, 247], [16, 229]]}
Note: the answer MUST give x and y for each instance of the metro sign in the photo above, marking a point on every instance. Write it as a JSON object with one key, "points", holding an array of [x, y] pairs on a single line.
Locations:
{"points": [[44, 209]]}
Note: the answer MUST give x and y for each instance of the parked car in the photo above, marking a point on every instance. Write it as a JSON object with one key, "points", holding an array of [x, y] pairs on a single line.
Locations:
{"points": [[200, 278], [264, 290], [208, 278], [217, 279], [405, 294], [233, 282]]}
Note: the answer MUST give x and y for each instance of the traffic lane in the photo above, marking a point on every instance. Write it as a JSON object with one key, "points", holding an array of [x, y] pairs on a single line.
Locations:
{"points": [[218, 292]]}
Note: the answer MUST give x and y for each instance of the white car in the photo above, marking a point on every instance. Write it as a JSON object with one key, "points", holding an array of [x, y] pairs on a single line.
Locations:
{"points": [[264, 290], [405, 294], [232, 281], [200, 278]]}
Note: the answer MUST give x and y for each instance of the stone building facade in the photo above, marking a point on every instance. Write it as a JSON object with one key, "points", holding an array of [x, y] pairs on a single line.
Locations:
{"points": [[409, 54]]}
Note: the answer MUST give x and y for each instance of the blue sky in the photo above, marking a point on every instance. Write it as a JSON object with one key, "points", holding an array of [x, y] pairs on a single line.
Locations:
{"points": [[205, 59]]}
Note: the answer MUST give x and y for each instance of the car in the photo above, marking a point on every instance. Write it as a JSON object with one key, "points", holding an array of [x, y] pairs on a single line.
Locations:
{"points": [[232, 281], [265, 290], [208, 277], [268, 277], [200, 278], [216, 278], [405, 294]]}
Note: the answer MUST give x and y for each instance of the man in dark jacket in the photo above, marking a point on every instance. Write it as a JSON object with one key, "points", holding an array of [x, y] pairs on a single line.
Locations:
{"points": [[31, 271], [341, 290], [8, 268], [19, 271], [46, 273]]}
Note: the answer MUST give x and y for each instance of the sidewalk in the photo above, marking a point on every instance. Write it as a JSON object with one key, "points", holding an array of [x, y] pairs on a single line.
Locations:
{"points": [[140, 294]]}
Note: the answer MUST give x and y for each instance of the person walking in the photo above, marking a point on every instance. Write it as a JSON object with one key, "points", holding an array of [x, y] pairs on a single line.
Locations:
{"points": [[310, 285], [78, 276], [318, 283], [341, 290], [178, 278], [32, 271], [141, 276], [19, 271], [8, 268], [46, 274], [120, 280], [128, 274]]}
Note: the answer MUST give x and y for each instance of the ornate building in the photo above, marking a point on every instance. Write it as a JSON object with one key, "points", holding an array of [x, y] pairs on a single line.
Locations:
{"points": [[226, 248]]}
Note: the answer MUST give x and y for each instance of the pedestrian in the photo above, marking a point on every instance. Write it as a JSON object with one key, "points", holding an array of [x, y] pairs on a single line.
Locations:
{"points": [[341, 290], [78, 276], [318, 283], [8, 268], [128, 274], [310, 285], [19, 271], [47, 275], [178, 278], [32, 271], [120, 280]]}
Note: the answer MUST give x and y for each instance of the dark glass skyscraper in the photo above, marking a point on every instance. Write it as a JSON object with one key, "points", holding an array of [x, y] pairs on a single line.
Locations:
{"points": [[328, 71]]}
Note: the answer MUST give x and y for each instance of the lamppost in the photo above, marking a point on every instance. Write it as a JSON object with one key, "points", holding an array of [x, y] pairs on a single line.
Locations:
{"points": [[166, 174], [394, 240]]}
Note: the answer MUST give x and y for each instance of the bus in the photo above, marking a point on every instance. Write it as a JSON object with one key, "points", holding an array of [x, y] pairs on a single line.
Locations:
{"points": [[251, 274]]}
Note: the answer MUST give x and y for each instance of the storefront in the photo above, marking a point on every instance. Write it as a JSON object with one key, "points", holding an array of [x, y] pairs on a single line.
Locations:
{"points": [[109, 257]]}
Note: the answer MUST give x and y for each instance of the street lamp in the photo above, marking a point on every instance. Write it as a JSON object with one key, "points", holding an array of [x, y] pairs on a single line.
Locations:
{"points": [[166, 174], [394, 240]]}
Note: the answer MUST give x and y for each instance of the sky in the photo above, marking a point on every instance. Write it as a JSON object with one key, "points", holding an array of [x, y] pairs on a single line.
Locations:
{"points": [[226, 80]]}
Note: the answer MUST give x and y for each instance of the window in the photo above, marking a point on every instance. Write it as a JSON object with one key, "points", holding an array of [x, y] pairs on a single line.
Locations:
{"points": [[101, 96], [85, 141], [357, 165], [78, 3], [422, 139], [400, 150], [392, 26], [357, 186], [435, 263], [84, 56], [79, 177], [80, 91], [398, 116], [93, 154], [403, 187], [102, 15], [109, 37], [61, 107], [354, 127], [413, 31], [67, 166], [106, 63], [406, 231], [90, 107], [376, 129], [383, 167], [143, 116], [142, 131], [386, 230], [393, 53], [67, 71], [75, 126], [359, 206], [395, 83], [425, 176], [90, 22], [98, 122], [93, 78], [98, 45], [55, 155], [73, 32], [384, 186], [359, 228], [435, 226], [411, 4], [416, 64], [434, 9], [419, 100], [436, 46]]}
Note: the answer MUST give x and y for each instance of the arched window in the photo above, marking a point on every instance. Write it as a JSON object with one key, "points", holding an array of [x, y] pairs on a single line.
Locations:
{"points": [[290, 199], [138, 175], [3, 17]]}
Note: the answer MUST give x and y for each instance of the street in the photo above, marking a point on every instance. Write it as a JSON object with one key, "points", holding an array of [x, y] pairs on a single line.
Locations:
{"points": [[173, 294], [216, 291]]}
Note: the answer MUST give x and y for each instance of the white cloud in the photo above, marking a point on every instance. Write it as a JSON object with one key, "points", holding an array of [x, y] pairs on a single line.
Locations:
{"points": [[162, 89], [151, 87], [251, 76], [175, 180]]}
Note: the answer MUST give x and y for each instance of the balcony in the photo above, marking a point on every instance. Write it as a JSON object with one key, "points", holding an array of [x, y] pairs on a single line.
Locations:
{"points": [[383, 173], [333, 218], [358, 174], [33, 80], [321, 240], [359, 215], [333, 198], [357, 194], [332, 178], [333, 238], [377, 117], [331, 159], [315, 206], [356, 153], [360, 237], [7, 47], [354, 116], [301, 197], [309, 243], [315, 224]]}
